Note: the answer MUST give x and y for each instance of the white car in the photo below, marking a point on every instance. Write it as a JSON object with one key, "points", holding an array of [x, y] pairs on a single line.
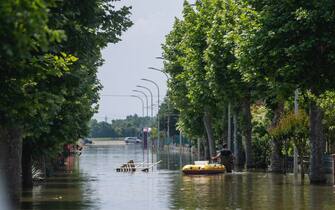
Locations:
{"points": [[133, 140]]}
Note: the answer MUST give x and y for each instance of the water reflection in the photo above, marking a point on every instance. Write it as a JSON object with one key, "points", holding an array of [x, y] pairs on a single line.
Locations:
{"points": [[92, 183], [249, 191], [173, 160], [3, 196], [65, 190]]}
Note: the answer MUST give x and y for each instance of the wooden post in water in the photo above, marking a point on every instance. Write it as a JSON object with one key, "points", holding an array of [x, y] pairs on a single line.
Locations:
{"points": [[333, 169]]}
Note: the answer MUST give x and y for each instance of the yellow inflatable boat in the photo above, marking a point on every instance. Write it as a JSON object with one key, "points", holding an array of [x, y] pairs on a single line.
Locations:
{"points": [[203, 167]]}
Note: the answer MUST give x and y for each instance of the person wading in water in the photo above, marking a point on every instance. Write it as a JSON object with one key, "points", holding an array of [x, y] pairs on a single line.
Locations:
{"points": [[225, 157]]}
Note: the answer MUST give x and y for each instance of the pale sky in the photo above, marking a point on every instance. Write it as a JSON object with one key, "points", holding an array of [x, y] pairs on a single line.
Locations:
{"points": [[127, 61]]}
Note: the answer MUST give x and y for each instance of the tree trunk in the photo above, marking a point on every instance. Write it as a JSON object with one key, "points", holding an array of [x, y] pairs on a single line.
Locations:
{"points": [[317, 174], [302, 167], [206, 149], [247, 132], [229, 127], [223, 139], [276, 157], [224, 131], [198, 147], [237, 152], [27, 163], [10, 162], [208, 125]]}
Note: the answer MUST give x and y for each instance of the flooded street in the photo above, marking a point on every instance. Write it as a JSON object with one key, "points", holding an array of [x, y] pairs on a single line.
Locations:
{"points": [[92, 183]]}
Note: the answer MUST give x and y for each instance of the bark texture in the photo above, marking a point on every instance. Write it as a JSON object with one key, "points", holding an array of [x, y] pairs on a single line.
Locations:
{"points": [[206, 149], [317, 174], [199, 148], [247, 132], [208, 126], [229, 127], [10, 162], [236, 144]]}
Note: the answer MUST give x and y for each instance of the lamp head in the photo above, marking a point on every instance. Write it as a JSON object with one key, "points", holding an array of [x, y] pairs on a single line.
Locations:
{"points": [[154, 68]]}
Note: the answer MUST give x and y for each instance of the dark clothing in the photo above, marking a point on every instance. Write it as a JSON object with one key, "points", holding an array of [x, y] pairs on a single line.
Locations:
{"points": [[227, 159], [226, 153]]}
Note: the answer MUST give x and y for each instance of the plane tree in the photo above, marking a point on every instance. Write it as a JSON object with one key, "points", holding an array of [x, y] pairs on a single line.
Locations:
{"points": [[295, 46], [190, 119], [232, 22], [50, 52], [25, 63], [87, 31]]}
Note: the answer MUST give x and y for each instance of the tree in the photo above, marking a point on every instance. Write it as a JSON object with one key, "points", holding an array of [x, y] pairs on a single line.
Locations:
{"points": [[25, 63], [293, 127], [101, 129], [194, 44], [327, 102], [294, 45], [202, 48], [131, 126], [88, 28], [190, 118], [261, 138], [233, 20], [47, 92], [168, 117]]}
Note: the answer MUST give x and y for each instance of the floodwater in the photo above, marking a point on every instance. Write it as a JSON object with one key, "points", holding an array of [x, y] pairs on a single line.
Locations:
{"points": [[91, 183]]}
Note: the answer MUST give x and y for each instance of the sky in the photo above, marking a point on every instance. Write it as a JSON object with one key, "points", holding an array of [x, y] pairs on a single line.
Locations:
{"points": [[127, 61]]}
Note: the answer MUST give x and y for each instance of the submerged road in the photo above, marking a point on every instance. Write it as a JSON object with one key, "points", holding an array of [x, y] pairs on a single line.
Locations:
{"points": [[91, 183]]}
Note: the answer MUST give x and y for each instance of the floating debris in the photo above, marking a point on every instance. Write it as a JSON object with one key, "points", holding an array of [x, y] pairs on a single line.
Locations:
{"points": [[131, 166]]}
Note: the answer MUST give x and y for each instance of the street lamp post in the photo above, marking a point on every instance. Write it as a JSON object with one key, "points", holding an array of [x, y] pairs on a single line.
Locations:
{"points": [[158, 127], [146, 98], [160, 70], [135, 96], [152, 105], [167, 77]]}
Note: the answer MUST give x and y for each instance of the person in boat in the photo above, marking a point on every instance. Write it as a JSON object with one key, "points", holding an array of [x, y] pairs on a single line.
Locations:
{"points": [[225, 157]]}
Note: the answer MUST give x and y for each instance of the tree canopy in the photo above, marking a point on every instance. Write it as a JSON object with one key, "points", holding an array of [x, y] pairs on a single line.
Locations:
{"points": [[50, 53], [244, 54]]}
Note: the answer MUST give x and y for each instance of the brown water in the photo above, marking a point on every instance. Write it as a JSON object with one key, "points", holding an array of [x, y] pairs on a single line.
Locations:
{"points": [[92, 183]]}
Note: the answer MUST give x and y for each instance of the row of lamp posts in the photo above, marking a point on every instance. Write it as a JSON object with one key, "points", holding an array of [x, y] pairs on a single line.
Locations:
{"points": [[152, 104]]}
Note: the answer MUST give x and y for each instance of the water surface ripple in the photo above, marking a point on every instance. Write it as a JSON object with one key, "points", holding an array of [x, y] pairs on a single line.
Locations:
{"points": [[91, 182]]}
